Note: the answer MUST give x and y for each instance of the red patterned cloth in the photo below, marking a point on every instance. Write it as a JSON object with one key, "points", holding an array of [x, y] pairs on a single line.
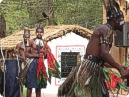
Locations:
{"points": [[53, 66], [41, 70], [114, 81]]}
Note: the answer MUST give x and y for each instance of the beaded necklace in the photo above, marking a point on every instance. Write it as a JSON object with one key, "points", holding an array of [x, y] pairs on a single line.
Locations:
{"points": [[111, 28]]}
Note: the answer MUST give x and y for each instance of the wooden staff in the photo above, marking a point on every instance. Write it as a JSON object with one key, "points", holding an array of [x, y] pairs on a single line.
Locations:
{"points": [[18, 74], [4, 66]]}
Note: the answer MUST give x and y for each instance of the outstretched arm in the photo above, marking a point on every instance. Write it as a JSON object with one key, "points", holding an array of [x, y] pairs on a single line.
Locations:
{"points": [[107, 65], [106, 40]]}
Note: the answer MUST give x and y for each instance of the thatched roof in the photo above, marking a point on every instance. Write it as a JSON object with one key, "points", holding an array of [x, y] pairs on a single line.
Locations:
{"points": [[50, 33]]}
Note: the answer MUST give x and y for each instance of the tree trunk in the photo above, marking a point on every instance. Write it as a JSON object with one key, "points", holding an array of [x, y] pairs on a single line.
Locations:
{"points": [[2, 26]]}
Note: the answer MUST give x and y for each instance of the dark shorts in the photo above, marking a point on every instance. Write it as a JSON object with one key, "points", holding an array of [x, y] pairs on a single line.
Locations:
{"points": [[31, 80], [12, 87]]}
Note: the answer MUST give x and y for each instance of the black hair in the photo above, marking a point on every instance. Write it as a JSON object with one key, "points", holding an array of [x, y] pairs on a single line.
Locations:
{"points": [[26, 35], [41, 28]]}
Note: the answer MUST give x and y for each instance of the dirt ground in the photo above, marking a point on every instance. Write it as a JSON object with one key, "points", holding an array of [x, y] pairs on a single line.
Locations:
{"points": [[54, 95], [46, 95]]}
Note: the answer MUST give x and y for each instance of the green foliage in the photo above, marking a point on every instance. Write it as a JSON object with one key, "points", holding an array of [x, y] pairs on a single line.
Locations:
{"points": [[15, 15], [127, 63], [20, 13], [83, 12]]}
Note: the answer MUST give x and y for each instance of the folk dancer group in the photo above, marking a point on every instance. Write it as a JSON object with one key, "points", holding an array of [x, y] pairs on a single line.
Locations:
{"points": [[86, 79]]}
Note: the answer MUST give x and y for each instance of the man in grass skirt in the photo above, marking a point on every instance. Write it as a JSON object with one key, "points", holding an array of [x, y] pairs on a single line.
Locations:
{"points": [[87, 79]]}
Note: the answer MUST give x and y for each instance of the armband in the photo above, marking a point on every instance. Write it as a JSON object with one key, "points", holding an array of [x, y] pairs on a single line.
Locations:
{"points": [[106, 40]]}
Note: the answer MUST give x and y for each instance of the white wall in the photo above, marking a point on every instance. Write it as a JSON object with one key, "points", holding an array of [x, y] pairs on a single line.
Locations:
{"points": [[71, 41]]}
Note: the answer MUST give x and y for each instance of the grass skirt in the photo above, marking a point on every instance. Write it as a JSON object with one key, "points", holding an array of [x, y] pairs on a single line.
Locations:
{"points": [[85, 81]]}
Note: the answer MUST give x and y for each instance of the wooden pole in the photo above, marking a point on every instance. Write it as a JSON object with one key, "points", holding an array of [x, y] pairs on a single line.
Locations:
{"points": [[126, 53]]}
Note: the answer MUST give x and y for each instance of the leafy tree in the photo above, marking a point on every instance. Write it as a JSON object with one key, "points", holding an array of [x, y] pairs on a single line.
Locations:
{"points": [[20, 13]]}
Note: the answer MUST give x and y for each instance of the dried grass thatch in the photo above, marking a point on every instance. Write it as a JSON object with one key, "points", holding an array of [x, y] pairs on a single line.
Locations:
{"points": [[50, 33]]}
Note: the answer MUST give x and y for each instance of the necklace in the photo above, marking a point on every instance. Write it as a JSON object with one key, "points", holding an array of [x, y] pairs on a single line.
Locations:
{"points": [[109, 26]]}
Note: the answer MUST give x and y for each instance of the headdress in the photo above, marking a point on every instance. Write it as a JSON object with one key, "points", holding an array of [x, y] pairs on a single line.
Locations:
{"points": [[112, 9], [39, 26], [26, 32]]}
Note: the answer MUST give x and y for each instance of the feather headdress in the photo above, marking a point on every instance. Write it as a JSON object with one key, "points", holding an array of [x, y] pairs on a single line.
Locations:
{"points": [[26, 31], [39, 26], [112, 9]]}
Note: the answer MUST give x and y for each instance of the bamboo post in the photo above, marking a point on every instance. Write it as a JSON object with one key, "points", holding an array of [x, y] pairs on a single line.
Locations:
{"points": [[126, 53]]}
